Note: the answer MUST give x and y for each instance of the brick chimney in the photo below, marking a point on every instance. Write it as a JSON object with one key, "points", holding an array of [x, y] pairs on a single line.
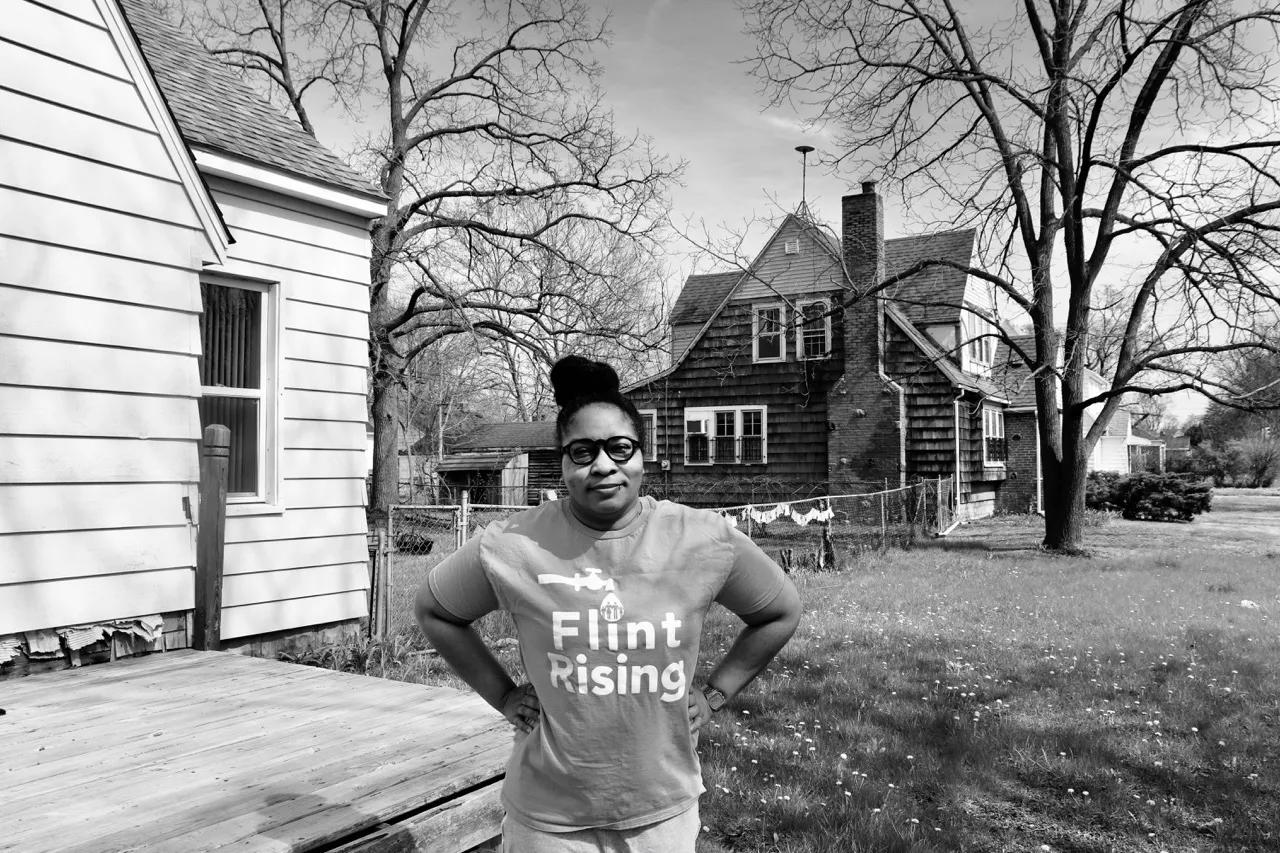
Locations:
{"points": [[864, 444]]}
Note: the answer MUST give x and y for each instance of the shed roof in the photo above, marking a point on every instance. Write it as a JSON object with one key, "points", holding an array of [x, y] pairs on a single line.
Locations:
{"points": [[537, 435], [494, 461], [215, 109]]}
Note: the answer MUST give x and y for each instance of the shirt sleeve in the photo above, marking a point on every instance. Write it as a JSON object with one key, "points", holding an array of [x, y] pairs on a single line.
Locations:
{"points": [[754, 578], [460, 584]]}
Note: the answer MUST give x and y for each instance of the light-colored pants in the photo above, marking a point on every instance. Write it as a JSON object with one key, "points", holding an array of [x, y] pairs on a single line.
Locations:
{"points": [[676, 834]]}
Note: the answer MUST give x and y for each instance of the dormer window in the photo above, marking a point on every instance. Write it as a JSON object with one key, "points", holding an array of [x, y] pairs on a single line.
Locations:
{"points": [[978, 342], [813, 335], [768, 343]]}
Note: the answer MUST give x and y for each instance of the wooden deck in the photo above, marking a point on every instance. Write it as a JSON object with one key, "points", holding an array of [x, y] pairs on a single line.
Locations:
{"points": [[190, 751]]}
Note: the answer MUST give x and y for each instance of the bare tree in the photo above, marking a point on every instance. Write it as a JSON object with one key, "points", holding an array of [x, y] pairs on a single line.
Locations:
{"points": [[492, 141], [1121, 143]]}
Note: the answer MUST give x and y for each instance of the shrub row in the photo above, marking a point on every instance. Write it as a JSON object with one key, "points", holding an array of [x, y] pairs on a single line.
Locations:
{"points": [[1155, 497]]}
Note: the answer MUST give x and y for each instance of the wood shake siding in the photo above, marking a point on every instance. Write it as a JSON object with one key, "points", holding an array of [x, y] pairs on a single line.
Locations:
{"points": [[719, 372], [303, 561], [98, 333]]}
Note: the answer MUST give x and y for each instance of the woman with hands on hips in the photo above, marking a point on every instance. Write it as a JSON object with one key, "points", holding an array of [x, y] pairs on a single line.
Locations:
{"points": [[608, 591]]}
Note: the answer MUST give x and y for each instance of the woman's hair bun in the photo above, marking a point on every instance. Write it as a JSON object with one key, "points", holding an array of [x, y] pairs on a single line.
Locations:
{"points": [[574, 377]]}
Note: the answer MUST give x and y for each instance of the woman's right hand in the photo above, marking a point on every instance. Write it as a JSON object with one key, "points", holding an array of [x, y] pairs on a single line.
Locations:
{"points": [[520, 707]]}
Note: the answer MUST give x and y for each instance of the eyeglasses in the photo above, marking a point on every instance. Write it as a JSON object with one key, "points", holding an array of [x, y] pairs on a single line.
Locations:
{"points": [[584, 451]]}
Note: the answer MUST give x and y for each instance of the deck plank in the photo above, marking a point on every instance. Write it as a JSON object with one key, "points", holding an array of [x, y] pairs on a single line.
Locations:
{"points": [[197, 751]]}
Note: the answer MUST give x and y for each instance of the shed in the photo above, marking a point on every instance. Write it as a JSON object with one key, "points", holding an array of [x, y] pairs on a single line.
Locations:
{"points": [[176, 253], [503, 463]]}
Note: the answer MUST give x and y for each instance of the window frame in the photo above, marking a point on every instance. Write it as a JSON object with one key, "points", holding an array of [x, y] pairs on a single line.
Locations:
{"points": [[801, 355], [781, 332], [270, 422], [649, 417], [707, 416], [978, 341], [993, 427]]}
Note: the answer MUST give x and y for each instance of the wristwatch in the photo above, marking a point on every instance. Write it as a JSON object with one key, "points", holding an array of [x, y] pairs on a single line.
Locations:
{"points": [[715, 699]]}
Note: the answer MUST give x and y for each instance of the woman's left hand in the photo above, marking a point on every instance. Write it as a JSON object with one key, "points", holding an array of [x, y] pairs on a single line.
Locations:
{"points": [[699, 710]]}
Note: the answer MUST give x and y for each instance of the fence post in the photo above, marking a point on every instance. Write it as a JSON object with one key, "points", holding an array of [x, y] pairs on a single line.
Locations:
{"points": [[210, 538], [884, 519], [464, 516]]}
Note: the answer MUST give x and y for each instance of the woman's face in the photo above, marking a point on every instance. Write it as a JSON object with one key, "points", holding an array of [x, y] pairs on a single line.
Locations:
{"points": [[603, 492]]}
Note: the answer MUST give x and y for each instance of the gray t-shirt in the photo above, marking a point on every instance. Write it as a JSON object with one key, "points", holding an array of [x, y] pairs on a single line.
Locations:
{"points": [[609, 624]]}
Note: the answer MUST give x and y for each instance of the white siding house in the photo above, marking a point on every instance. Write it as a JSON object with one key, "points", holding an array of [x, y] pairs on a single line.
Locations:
{"points": [[172, 253]]}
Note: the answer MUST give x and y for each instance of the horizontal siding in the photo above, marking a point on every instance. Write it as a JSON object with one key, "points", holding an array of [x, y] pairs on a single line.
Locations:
{"points": [[62, 317], [776, 275], [239, 590], [56, 126], [84, 10], [1112, 454], [292, 613], [306, 565], [335, 492], [245, 558], [324, 348], [59, 364], [322, 435], [86, 553], [35, 217], [69, 177], [299, 524], [26, 459], [82, 273], [85, 506], [85, 42], [56, 411], [77, 601], [59, 82]]}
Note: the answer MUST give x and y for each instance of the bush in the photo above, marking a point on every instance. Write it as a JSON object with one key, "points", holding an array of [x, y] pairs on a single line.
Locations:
{"points": [[1155, 497]]}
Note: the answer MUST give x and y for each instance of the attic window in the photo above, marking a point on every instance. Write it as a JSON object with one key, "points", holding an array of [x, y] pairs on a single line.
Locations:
{"points": [[791, 247]]}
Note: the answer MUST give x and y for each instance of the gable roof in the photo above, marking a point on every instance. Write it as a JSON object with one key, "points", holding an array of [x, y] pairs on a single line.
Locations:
{"points": [[700, 296], [539, 435], [935, 294], [216, 110]]}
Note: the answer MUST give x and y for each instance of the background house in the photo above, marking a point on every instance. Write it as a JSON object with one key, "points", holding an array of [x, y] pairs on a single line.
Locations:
{"points": [[785, 384], [176, 253]]}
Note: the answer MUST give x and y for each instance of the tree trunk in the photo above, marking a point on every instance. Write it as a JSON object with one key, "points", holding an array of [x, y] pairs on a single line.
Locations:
{"points": [[1064, 491], [386, 434]]}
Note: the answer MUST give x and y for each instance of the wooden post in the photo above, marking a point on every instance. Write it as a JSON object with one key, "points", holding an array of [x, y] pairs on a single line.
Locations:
{"points": [[384, 581], [210, 538], [464, 517]]}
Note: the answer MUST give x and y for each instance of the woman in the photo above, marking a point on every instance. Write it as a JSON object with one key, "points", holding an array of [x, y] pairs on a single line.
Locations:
{"points": [[608, 591]]}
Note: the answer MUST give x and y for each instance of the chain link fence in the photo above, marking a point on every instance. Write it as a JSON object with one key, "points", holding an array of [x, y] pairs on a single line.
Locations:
{"points": [[815, 533]]}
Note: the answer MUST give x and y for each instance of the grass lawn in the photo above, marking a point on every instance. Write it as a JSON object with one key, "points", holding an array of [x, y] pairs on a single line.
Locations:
{"points": [[1006, 700], [979, 695]]}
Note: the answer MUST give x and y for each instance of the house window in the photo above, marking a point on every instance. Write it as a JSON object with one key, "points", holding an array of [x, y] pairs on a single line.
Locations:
{"points": [[649, 436], [726, 436], [697, 449], [994, 449], [767, 340], [814, 334], [979, 342], [237, 380]]}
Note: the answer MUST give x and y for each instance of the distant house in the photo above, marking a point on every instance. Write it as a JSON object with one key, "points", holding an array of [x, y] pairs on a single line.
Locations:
{"points": [[502, 463], [784, 383], [1125, 447], [176, 253]]}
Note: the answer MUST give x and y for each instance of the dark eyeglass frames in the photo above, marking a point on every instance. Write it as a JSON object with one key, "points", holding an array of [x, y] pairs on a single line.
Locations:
{"points": [[584, 451]]}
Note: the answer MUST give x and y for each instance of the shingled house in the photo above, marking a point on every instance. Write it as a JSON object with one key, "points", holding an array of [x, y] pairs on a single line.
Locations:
{"points": [[788, 380]]}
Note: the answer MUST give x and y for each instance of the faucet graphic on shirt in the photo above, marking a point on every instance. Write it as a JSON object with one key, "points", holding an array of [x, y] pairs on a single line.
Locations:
{"points": [[591, 580]]}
